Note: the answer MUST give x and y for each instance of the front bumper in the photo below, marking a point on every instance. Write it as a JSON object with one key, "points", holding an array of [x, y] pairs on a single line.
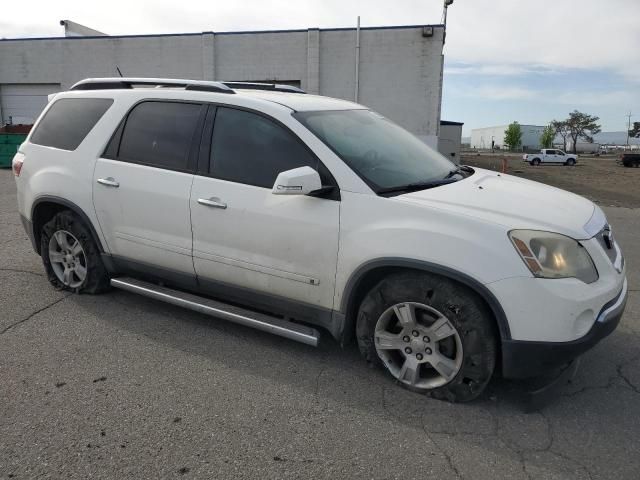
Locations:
{"points": [[525, 359]]}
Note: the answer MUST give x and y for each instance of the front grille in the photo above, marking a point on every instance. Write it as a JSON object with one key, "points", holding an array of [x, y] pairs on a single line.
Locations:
{"points": [[609, 245]]}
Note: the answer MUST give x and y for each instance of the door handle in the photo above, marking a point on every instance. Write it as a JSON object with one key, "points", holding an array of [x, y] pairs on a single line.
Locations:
{"points": [[212, 202], [108, 182]]}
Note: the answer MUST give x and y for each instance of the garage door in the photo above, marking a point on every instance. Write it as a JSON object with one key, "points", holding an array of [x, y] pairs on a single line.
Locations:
{"points": [[22, 103]]}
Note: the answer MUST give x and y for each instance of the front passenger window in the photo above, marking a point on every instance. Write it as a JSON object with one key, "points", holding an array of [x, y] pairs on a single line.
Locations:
{"points": [[251, 149]]}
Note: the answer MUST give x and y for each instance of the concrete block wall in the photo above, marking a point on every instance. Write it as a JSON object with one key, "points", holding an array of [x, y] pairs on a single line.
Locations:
{"points": [[262, 56], [400, 69]]}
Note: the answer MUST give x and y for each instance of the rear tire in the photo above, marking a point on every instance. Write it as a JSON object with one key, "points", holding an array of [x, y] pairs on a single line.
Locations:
{"points": [[535, 162], [70, 256], [450, 353]]}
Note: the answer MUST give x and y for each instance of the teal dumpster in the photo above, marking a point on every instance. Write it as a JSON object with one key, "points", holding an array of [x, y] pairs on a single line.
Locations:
{"points": [[9, 143]]}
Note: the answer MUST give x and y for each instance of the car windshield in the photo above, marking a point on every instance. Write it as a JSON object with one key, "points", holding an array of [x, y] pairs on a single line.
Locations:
{"points": [[384, 155]]}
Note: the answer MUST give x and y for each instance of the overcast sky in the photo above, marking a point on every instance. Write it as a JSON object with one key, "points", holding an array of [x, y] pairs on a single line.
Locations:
{"points": [[505, 60]]}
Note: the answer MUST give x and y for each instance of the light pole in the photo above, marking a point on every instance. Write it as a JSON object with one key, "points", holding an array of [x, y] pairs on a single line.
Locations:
{"points": [[444, 15], [444, 12]]}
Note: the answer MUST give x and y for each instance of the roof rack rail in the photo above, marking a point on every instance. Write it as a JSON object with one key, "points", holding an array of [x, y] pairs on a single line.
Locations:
{"points": [[126, 83], [274, 87]]}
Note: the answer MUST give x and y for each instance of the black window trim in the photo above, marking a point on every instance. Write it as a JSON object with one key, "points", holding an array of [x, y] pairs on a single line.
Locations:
{"points": [[200, 150], [205, 165], [194, 146]]}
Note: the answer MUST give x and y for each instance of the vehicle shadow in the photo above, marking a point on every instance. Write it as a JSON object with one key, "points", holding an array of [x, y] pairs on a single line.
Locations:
{"points": [[332, 390], [329, 371]]}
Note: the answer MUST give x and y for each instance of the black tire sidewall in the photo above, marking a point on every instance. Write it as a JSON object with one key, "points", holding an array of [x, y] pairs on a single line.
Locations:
{"points": [[464, 309], [97, 279]]}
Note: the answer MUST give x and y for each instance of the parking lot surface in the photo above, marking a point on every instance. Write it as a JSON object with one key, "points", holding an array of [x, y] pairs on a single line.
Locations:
{"points": [[119, 386]]}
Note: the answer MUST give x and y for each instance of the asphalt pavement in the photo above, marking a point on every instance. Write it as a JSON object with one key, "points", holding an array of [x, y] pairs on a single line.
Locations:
{"points": [[119, 386]]}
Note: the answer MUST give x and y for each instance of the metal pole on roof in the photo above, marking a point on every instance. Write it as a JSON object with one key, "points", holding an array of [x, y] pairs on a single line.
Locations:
{"points": [[357, 74], [444, 17]]}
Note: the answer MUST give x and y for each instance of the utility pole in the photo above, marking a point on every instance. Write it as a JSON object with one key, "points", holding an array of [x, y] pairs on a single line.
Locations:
{"points": [[628, 126]]}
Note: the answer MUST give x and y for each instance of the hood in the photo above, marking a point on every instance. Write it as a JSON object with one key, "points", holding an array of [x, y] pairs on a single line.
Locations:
{"points": [[514, 203]]}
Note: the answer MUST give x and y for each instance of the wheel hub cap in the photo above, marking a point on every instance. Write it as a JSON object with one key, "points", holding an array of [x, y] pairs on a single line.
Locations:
{"points": [[419, 345], [68, 260]]}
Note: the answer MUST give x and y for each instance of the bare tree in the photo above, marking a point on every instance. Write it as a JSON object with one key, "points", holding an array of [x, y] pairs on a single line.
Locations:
{"points": [[561, 129]]}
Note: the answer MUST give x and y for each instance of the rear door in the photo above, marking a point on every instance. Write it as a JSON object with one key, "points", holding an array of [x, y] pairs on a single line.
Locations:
{"points": [[244, 236], [142, 185]]}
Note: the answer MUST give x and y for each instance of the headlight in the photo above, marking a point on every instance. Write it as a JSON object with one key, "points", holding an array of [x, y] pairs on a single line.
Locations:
{"points": [[551, 255]]}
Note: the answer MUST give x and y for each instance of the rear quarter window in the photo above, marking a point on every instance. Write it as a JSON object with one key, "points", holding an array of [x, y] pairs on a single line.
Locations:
{"points": [[69, 121]]}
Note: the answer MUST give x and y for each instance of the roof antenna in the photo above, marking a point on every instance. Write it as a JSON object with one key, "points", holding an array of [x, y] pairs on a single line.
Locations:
{"points": [[119, 72]]}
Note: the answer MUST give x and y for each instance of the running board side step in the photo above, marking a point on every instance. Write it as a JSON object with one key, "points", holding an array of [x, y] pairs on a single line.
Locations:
{"points": [[248, 318]]}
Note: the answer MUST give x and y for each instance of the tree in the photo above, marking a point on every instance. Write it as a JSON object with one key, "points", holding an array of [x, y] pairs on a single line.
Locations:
{"points": [[561, 129], [547, 137], [582, 125], [513, 136], [635, 131]]}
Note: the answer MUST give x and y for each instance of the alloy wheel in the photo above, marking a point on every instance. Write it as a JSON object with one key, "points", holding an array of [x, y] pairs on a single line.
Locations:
{"points": [[419, 345], [68, 260]]}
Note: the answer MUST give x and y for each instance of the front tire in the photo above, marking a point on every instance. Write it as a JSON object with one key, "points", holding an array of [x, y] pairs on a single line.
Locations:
{"points": [[433, 335], [570, 162], [70, 256]]}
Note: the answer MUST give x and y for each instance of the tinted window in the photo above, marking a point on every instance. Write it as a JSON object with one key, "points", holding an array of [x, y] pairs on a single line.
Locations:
{"points": [[159, 134], [69, 121], [248, 148]]}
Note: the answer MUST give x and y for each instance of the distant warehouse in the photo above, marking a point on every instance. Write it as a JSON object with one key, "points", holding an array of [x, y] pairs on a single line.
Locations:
{"points": [[399, 69], [493, 137]]}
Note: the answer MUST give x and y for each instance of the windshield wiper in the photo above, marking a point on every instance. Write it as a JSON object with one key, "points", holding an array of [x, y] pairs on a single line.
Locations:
{"points": [[455, 171], [414, 187]]}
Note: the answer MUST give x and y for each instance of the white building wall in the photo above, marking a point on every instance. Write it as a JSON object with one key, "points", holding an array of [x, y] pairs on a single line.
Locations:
{"points": [[481, 137], [400, 69]]}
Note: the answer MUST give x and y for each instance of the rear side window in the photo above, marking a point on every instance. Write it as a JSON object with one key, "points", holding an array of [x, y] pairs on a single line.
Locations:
{"points": [[159, 134], [251, 149], [69, 121]]}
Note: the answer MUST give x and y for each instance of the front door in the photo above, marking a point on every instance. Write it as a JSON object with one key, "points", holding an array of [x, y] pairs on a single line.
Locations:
{"points": [[551, 156], [248, 238], [141, 192]]}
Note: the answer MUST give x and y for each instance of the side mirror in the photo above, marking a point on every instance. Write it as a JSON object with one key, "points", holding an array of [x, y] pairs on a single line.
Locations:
{"points": [[299, 181]]}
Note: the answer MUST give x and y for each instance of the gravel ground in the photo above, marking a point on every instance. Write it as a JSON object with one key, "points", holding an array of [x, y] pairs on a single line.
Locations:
{"points": [[119, 386], [601, 179]]}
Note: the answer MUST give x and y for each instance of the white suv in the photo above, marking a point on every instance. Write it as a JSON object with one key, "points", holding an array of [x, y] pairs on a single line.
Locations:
{"points": [[296, 214]]}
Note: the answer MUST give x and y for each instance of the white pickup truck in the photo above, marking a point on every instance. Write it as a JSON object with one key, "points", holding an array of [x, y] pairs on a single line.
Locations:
{"points": [[548, 155]]}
